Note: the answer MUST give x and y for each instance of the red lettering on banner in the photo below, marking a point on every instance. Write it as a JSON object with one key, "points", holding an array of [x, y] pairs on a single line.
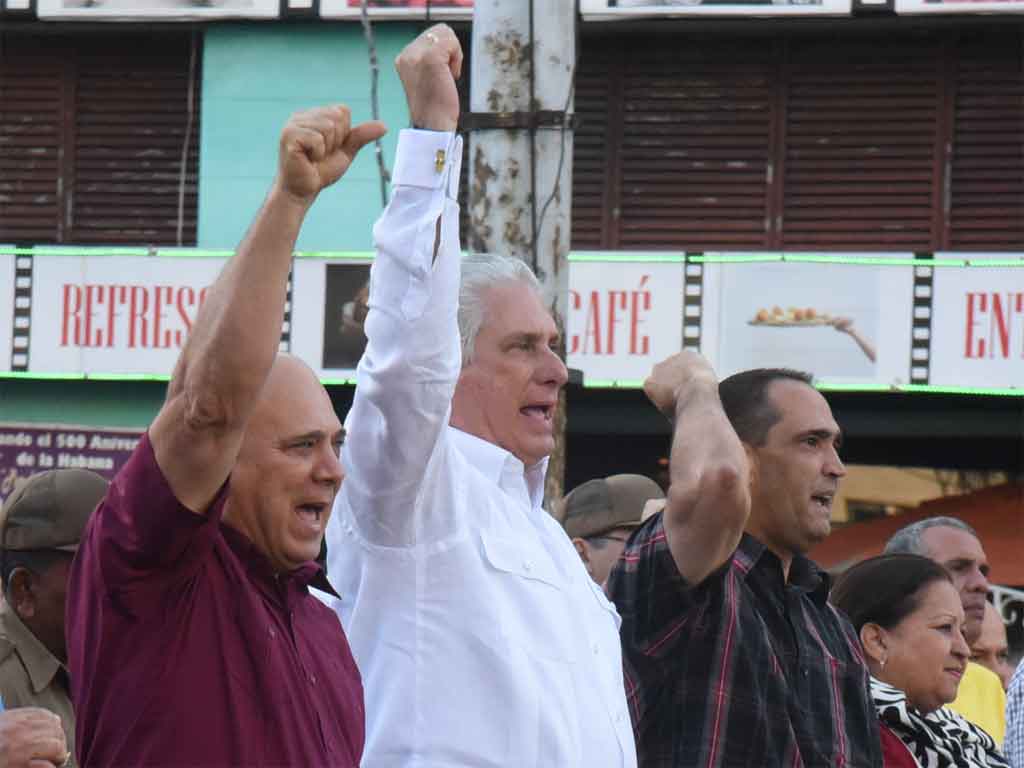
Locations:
{"points": [[613, 307], [69, 315], [644, 348], [179, 337], [137, 317], [90, 339], [994, 325], [157, 317], [112, 313]]}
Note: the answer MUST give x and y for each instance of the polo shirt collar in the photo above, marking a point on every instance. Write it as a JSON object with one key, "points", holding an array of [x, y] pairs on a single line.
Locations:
{"points": [[497, 464], [40, 664], [309, 574], [803, 573]]}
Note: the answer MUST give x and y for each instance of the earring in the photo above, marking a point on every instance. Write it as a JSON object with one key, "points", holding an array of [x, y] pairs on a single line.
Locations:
{"points": [[882, 664]]}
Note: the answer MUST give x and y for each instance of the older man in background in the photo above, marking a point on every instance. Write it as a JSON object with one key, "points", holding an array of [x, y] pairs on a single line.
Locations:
{"points": [[600, 514], [40, 527]]}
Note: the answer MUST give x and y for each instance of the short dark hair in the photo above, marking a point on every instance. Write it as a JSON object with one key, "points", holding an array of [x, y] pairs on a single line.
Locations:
{"points": [[884, 590], [744, 397], [38, 561]]}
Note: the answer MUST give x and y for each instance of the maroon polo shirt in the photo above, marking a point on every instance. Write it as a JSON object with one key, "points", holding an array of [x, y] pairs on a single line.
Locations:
{"points": [[186, 649]]}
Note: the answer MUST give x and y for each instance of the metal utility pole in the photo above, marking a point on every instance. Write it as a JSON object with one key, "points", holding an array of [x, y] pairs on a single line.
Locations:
{"points": [[520, 151]]}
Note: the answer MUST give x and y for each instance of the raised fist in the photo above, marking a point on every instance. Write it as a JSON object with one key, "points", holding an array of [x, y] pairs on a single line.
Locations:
{"points": [[428, 67], [317, 147], [672, 375]]}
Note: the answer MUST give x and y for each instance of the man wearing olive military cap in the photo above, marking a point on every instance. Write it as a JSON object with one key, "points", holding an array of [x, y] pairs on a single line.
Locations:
{"points": [[40, 525]]}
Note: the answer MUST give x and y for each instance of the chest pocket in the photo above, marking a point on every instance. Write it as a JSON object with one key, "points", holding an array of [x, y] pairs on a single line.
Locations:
{"points": [[529, 599]]}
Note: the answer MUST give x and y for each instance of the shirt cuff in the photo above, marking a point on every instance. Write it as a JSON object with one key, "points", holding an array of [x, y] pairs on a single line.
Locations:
{"points": [[428, 159]]}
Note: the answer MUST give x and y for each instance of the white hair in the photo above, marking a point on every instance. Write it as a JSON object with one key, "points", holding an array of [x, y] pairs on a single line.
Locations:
{"points": [[480, 272]]}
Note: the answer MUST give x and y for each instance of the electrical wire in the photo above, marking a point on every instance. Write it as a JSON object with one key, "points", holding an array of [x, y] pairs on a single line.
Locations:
{"points": [[378, 147]]}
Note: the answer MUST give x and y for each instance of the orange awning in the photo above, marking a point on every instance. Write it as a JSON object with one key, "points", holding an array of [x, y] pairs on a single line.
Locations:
{"points": [[996, 513]]}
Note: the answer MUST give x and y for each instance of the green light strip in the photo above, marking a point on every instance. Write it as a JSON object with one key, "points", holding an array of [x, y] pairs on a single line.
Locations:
{"points": [[648, 257], [868, 261], [349, 255], [613, 384], [46, 376]]}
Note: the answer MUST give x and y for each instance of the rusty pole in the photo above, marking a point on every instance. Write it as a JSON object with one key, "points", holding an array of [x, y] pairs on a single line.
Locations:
{"points": [[520, 152]]}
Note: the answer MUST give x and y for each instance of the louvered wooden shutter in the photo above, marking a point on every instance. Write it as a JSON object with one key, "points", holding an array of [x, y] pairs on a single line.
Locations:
{"points": [[860, 143], [31, 125], [131, 120], [595, 203], [695, 144], [92, 128], [987, 186]]}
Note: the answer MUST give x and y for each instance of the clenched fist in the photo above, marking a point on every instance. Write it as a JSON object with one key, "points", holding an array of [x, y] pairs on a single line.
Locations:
{"points": [[428, 67], [675, 374], [31, 738], [317, 147]]}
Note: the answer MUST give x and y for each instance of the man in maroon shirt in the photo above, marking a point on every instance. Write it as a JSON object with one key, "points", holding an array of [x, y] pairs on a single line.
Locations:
{"points": [[192, 637]]}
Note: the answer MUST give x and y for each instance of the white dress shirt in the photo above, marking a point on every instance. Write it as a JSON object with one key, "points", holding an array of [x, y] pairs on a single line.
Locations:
{"points": [[481, 639]]}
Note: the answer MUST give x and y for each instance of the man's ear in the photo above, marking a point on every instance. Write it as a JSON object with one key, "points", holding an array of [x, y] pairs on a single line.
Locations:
{"points": [[875, 641], [752, 461], [21, 592], [583, 548]]}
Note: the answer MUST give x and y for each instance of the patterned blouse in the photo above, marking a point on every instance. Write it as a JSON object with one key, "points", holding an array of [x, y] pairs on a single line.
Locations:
{"points": [[938, 739]]}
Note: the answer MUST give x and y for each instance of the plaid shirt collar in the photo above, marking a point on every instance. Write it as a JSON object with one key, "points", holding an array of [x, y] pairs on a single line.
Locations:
{"points": [[754, 557]]}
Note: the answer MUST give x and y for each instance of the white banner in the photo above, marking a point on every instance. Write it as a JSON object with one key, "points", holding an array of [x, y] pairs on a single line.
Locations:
{"points": [[624, 10], [114, 314], [847, 323], [163, 10], [379, 10], [959, 6], [843, 323], [624, 316], [977, 325]]}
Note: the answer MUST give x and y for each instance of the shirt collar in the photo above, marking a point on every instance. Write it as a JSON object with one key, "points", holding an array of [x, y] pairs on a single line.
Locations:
{"points": [[803, 573], [496, 463], [40, 664], [309, 574]]}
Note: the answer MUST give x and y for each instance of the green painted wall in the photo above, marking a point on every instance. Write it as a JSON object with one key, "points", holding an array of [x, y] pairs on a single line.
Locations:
{"points": [[254, 77], [90, 403]]}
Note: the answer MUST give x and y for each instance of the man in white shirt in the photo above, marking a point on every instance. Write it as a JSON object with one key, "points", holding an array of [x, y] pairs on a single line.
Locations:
{"points": [[481, 639]]}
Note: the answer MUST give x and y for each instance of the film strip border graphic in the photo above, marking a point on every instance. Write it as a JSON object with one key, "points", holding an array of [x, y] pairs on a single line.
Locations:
{"points": [[21, 329], [693, 302], [921, 322], [285, 345]]}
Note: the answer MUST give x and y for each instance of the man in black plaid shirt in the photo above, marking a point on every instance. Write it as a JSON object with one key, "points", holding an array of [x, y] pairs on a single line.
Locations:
{"points": [[733, 655]]}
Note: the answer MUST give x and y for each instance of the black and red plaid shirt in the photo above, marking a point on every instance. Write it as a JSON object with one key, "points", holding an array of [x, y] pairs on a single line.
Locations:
{"points": [[743, 669]]}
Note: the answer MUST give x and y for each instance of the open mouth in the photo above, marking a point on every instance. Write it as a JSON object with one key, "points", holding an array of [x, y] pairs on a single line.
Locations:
{"points": [[824, 500], [541, 412], [312, 514]]}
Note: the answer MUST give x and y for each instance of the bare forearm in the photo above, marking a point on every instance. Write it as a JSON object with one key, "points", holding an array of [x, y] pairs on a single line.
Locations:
{"points": [[708, 499], [236, 335]]}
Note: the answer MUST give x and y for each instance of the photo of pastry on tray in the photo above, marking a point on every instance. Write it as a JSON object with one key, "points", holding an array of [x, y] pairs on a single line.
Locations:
{"points": [[792, 317]]}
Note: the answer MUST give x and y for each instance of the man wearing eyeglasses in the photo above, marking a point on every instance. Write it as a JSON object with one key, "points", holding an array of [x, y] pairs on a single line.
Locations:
{"points": [[599, 516]]}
